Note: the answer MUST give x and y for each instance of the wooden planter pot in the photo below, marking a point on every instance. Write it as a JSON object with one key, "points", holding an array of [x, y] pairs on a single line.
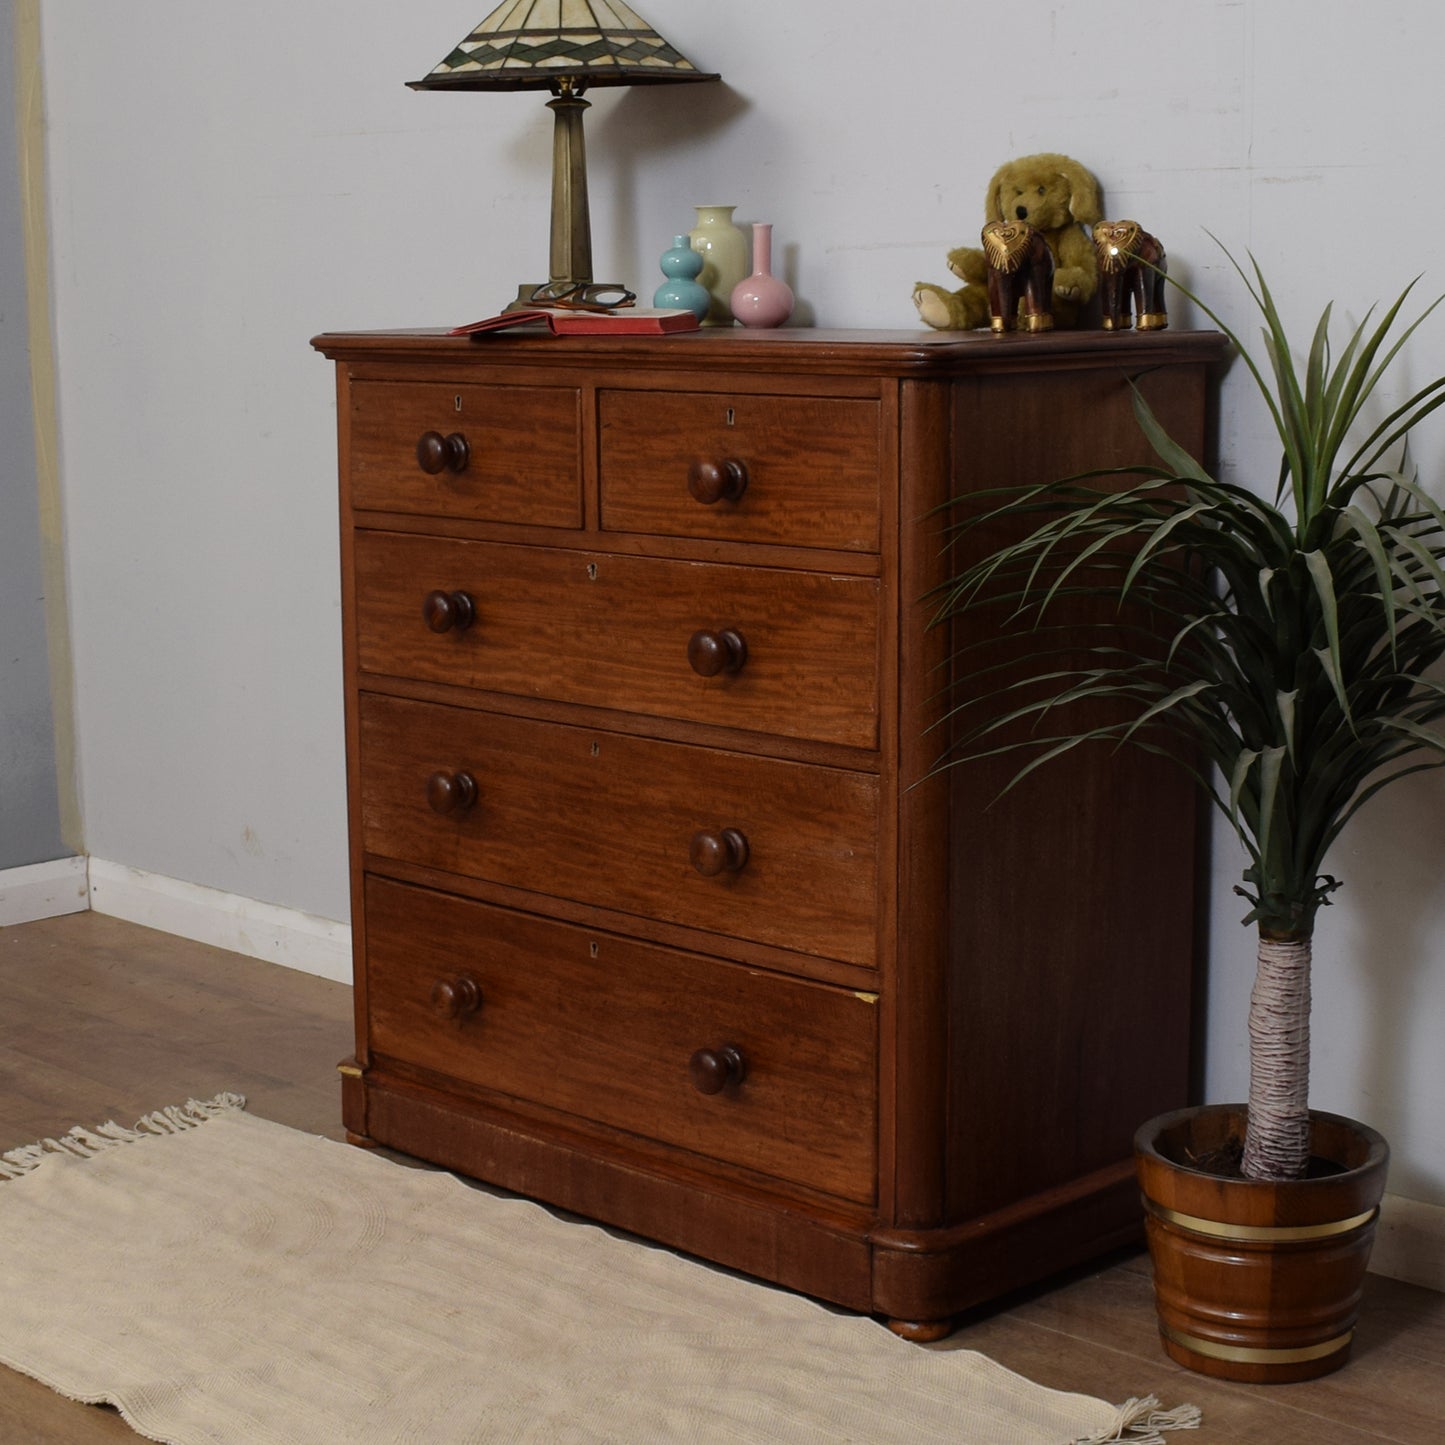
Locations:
{"points": [[1258, 1282]]}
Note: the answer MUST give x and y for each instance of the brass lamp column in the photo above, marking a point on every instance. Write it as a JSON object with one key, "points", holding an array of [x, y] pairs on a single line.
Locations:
{"points": [[565, 46], [571, 218]]}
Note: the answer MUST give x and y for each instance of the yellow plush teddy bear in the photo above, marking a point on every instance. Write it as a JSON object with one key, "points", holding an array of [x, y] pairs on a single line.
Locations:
{"points": [[1058, 197]]}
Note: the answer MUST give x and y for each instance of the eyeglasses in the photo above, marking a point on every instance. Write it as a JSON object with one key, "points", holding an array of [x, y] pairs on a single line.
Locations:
{"points": [[582, 296]]}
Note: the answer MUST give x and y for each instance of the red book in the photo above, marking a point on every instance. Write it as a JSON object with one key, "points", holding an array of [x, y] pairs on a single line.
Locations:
{"points": [[624, 321]]}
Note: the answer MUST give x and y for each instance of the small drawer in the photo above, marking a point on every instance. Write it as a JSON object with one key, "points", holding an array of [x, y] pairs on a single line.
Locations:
{"points": [[769, 650], [490, 453], [778, 852], [797, 470], [629, 1035]]}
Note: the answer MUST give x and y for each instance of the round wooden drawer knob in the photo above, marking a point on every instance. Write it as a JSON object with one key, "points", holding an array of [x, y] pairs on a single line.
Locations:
{"points": [[448, 611], [725, 851], [711, 653], [712, 1070], [452, 793], [712, 482], [456, 998], [436, 453]]}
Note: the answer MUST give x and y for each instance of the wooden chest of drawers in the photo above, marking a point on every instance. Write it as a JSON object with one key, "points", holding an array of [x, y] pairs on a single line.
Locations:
{"points": [[658, 914]]}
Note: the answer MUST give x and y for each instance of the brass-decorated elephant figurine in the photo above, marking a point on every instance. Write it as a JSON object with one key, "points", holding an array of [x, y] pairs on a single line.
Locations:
{"points": [[1020, 270], [1132, 269]]}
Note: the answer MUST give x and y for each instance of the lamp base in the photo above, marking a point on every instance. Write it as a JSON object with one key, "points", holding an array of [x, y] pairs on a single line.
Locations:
{"points": [[524, 300]]}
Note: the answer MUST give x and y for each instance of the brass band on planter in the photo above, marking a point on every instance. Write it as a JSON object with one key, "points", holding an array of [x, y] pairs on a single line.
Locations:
{"points": [[1259, 1233], [1241, 1355]]}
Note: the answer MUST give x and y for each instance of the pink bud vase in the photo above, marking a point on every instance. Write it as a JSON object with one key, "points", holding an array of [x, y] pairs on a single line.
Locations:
{"points": [[762, 299]]}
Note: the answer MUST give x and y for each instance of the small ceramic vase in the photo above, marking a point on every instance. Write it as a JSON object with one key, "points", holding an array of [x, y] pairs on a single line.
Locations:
{"points": [[724, 251], [681, 291], [762, 299]]}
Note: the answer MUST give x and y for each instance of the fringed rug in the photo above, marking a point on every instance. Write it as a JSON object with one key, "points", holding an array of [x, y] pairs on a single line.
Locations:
{"points": [[225, 1280]]}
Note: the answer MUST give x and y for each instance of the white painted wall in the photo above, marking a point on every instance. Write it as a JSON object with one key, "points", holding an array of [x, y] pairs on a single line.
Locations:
{"points": [[228, 180]]}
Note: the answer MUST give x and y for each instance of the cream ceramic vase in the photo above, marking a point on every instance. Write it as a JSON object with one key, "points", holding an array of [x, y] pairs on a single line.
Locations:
{"points": [[724, 251]]}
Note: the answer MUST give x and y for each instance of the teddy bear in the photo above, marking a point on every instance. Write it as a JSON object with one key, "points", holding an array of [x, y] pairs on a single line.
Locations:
{"points": [[1057, 196]]}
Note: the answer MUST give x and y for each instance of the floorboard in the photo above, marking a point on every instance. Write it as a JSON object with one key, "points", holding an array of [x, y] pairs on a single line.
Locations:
{"points": [[102, 1019]]}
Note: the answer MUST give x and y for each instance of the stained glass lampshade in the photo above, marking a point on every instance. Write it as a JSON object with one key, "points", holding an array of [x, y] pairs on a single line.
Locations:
{"points": [[565, 46]]}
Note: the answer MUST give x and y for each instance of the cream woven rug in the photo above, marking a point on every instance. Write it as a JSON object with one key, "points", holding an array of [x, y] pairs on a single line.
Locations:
{"points": [[219, 1279]]}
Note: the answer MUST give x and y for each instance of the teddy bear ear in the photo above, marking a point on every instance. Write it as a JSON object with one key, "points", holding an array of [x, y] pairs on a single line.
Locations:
{"points": [[993, 200], [1084, 204]]}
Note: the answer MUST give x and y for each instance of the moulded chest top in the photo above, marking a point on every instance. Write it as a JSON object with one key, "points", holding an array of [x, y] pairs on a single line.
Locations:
{"points": [[892, 352]]}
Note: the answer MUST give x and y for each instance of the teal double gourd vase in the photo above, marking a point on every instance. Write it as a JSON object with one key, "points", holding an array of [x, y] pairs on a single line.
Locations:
{"points": [[682, 291]]}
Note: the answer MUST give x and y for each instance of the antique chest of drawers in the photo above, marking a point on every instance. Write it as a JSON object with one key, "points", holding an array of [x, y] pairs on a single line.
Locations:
{"points": [[659, 912]]}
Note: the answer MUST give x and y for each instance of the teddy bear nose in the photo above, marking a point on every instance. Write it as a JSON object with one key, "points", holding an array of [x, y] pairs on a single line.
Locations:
{"points": [[1022, 212]]}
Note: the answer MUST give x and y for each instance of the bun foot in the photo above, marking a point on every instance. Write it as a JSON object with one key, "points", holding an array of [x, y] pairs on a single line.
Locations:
{"points": [[921, 1332], [362, 1141]]}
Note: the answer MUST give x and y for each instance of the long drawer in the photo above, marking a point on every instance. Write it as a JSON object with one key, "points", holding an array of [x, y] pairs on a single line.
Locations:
{"points": [[795, 653], [628, 1035], [799, 470], [490, 453], [777, 852]]}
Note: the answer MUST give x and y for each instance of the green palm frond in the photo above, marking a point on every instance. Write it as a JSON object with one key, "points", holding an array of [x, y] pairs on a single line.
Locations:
{"points": [[1281, 645]]}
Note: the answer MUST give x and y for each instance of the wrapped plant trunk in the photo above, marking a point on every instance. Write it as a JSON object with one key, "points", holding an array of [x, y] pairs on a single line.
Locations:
{"points": [[1277, 1142]]}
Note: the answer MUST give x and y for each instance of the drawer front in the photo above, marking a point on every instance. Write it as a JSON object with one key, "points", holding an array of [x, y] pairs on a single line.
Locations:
{"points": [[616, 632], [522, 444], [799, 470], [646, 827], [606, 1029]]}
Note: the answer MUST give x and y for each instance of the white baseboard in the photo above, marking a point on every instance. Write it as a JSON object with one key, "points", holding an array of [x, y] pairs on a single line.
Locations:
{"points": [[225, 920], [1410, 1242], [43, 890]]}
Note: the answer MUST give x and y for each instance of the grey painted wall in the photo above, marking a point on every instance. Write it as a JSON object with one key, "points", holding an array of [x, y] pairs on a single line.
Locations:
{"points": [[29, 804]]}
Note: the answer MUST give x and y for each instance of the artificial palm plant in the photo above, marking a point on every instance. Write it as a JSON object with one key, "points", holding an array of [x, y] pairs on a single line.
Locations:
{"points": [[1280, 649]]}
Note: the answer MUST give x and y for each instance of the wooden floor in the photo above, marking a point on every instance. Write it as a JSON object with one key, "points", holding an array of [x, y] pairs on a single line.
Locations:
{"points": [[104, 1020]]}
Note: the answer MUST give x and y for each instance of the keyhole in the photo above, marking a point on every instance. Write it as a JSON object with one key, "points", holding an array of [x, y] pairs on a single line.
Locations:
{"points": [[457, 402], [591, 571], [592, 948], [596, 750], [731, 416]]}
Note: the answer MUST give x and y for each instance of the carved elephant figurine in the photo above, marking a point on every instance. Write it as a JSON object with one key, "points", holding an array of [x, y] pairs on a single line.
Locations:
{"points": [[1132, 268], [1020, 269]]}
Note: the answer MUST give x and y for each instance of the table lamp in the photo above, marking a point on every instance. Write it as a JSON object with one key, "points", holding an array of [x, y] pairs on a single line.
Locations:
{"points": [[565, 46]]}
